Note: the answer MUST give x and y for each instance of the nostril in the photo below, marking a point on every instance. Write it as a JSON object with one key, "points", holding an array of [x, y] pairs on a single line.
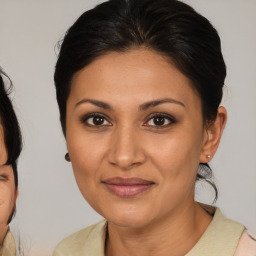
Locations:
{"points": [[128, 161], [126, 151]]}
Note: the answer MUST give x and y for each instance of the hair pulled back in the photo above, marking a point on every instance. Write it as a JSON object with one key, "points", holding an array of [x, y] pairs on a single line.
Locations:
{"points": [[169, 27]]}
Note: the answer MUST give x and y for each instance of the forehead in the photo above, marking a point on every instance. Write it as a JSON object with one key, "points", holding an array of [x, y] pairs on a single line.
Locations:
{"points": [[134, 74]]}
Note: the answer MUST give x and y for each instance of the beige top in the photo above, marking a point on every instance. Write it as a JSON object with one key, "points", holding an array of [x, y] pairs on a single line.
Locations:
{"points": [[8, 248], [221, 238]]}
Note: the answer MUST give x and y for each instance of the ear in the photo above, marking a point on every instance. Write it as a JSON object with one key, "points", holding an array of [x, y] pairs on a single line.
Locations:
{"points": [[212, 136]]}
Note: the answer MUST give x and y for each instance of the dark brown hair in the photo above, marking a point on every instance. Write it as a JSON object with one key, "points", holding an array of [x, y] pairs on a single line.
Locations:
{"points": [[9, 121]]}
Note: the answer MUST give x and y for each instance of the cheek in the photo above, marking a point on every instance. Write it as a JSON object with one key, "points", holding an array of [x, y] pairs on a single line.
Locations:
{"points": [[87, 154], [87, 163], [7, 202], [176, 157], [179, 153]]}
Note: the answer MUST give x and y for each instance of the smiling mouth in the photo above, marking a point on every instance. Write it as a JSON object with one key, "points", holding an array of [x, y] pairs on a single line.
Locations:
{"points": [[127, 187]]}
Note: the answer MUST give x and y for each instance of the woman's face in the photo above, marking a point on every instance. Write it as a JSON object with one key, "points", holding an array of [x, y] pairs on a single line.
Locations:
{"points": [[8, 192], [135, 136]]}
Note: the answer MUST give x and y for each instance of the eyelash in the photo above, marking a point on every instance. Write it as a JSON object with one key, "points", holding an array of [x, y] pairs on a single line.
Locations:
{"points": [[169, 118], [3, 178], [85, 119]]}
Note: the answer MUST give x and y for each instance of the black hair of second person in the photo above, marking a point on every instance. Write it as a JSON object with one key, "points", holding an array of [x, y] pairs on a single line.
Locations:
{"points": [[168, 27], [9, 121]]}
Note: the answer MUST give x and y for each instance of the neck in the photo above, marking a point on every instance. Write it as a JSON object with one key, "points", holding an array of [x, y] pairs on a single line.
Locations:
{"points": [[176, 233]]}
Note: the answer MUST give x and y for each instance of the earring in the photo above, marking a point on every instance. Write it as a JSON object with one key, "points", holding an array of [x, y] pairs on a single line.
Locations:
{"points": [[67, 158], [208, 156]]}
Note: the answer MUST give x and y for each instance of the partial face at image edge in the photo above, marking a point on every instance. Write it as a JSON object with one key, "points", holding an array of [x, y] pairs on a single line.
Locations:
{"points": [[8, 190]]}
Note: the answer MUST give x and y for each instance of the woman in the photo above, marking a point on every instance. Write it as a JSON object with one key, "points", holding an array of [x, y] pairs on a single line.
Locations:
{"points": [[139, 85], [10, 148]]}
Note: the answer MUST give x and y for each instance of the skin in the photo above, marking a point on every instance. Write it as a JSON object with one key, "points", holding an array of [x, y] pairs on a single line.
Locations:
{"points": [[8, 191], [129, 144]]}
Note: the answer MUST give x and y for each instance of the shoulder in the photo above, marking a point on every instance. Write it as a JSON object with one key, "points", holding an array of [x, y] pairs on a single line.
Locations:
{"points": [[220, 238], [8, 248], [246, 245], [90, 240]]}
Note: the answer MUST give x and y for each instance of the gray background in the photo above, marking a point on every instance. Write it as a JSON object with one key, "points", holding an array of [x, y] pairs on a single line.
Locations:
{"points": [[50, 205]]}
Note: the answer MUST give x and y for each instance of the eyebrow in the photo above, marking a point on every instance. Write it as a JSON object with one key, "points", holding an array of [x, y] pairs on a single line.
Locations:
{"points": [[154, 103], [142, 107], [97, 103]]}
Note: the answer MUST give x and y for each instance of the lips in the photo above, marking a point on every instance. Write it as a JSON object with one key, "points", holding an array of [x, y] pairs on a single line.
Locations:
{"points": [[127, 187]]}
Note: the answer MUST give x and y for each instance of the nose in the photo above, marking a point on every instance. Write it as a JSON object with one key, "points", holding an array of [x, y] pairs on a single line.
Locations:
{"points": [[126, 150]]}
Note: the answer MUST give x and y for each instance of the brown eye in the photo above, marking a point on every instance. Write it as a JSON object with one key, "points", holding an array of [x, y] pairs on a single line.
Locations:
{"points": [[160, 120], [96, 120], [2, 177]]}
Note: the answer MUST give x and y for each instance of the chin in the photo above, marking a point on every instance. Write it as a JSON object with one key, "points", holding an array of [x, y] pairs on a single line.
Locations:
{"points": [[125, 212], [132, 218], [128, 222]]}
